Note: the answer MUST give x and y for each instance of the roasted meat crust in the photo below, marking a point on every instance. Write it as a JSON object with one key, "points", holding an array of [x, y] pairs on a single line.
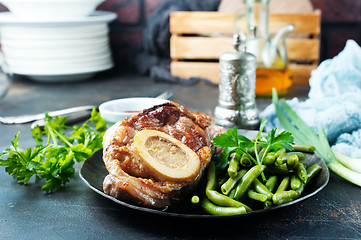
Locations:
{"points": [[128, 179]]}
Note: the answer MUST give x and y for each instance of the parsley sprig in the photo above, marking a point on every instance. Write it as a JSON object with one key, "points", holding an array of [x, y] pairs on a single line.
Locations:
{"points": [[53, 161], [232, 142]]}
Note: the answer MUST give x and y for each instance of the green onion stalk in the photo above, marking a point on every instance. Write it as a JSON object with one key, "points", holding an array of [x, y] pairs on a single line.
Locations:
{"points": [[346, 167]]}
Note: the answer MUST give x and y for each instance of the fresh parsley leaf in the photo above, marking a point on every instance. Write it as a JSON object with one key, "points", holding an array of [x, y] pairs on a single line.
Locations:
{"points": [[229, 139], [255, 149], [54, 160]]}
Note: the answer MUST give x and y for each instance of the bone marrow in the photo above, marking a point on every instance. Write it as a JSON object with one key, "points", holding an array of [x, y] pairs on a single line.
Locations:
{"points": [[167, 157]]}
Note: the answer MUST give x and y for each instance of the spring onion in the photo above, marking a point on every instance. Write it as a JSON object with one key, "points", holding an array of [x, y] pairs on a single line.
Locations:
{"points": [[347, 168]]}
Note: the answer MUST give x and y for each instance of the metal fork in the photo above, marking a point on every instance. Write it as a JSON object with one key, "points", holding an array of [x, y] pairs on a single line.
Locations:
{"points": [[34, 117], [165, 95]]}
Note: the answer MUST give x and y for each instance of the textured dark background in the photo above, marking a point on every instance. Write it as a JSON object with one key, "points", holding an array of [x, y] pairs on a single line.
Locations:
{"points": [[341, 20]]}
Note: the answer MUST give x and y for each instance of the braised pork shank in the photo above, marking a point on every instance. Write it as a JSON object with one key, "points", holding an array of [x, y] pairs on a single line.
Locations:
{"points": [[151, 157]]}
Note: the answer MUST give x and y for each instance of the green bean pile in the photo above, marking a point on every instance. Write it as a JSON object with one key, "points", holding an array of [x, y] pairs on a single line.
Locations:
{"points": [[281, 178]]}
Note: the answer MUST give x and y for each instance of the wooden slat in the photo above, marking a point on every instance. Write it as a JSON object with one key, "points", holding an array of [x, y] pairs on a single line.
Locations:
{"points": [[210, 70], [308, 23], [200, 22], [217, 22], [212, 47], [199, 47]]}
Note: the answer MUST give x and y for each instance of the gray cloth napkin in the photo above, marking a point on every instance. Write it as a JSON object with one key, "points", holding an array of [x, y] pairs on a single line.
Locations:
{"points": [[334, 101]]}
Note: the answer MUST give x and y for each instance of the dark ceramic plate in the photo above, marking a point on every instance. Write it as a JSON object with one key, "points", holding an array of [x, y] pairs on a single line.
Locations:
{"points": [[93, 173]]}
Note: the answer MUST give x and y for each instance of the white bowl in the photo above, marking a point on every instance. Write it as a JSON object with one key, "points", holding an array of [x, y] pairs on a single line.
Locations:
{"points": [[117, 110], [54, 9]]}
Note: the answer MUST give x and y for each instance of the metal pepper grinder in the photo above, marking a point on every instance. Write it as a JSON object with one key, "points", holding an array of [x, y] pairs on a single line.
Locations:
{"points": [[237, 98]]}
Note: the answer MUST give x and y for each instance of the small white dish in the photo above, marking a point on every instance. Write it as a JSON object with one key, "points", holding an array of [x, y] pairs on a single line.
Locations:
{"points": [[56, 9], [117, 110]]}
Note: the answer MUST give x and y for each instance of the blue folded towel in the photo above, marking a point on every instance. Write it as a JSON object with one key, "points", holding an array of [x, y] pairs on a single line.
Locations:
{"points": [[334, 101]]}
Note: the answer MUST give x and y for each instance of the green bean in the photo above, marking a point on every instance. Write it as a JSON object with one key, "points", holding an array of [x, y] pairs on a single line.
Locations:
{"points": [[210, 208], [256, 196], [271, 183], [211, 176], [295, 182], [284, 196], [283, 185], [292, 161], [247, 180], [232, 192], [232, 182], [301, 172], [261, 188], [245, 161], [301, 156], [267, 204], [233, 165], [303, 148], [278, 170], [281, 159], [279, 152], [195, 199], [312, 171], [269, 159], [285, 156], [290, 158], [224, 201]]}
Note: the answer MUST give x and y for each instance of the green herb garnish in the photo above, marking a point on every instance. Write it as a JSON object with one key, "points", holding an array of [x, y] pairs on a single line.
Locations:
{"points": [[53, 161], [260, 146]]}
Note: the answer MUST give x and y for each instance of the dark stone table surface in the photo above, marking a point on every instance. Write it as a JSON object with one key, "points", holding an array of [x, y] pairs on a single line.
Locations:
{"points": [[76, 212]]}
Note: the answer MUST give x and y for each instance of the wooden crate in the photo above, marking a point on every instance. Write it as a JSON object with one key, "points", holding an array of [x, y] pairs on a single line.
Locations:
{"points": [[199, 38]]}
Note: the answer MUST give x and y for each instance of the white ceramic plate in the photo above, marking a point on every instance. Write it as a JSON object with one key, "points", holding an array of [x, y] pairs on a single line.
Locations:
{"points": [[55, 53], [41, 44], [7, 18], [37, 35], [62, 78], [59, 63], [54, 29], [61, 71]]}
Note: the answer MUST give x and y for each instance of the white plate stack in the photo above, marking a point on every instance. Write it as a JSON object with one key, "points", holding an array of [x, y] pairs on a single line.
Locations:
{"points": [[64, 48]]}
